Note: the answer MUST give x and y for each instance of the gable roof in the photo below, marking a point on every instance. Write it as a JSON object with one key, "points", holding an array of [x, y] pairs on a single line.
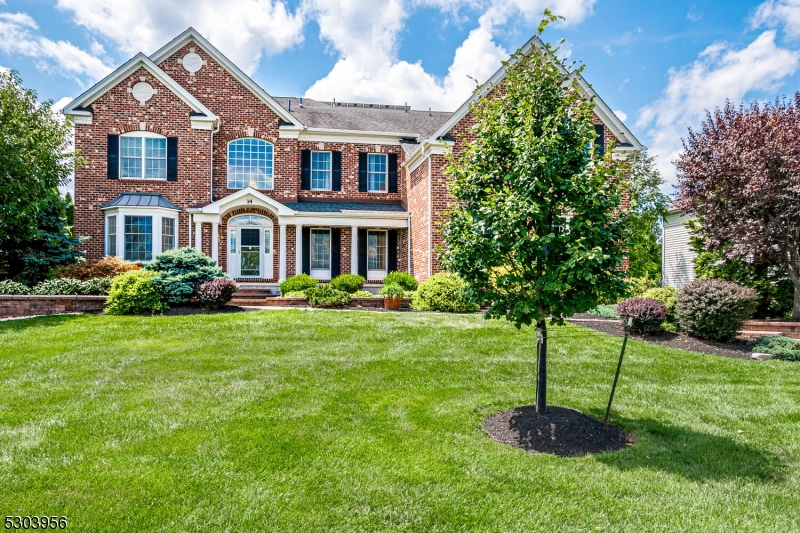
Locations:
{"points": [[77, 107], [193, 35], [626, 139]]}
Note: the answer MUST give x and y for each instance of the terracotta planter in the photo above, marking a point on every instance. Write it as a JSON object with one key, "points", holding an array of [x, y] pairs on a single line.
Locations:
{"points": [[392, 303]]}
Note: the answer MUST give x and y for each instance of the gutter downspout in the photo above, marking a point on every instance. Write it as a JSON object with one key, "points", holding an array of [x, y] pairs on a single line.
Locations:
{"points": [[430, 217], [211, 181]]}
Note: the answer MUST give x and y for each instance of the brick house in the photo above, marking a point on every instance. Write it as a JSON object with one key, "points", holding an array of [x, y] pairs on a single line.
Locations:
{"points": [[184, 149]]}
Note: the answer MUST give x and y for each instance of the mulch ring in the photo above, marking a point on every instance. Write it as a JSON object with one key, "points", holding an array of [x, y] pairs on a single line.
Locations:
{"points": [[561, 431], [737, 349]]}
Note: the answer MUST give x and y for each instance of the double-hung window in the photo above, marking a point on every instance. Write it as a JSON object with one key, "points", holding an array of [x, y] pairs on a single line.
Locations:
{"points": [[320, 171], [320, 253], [138, 238], [143, 155], [111, 235], [377, 171], [250, 162], [167, 234], [376, 254]]}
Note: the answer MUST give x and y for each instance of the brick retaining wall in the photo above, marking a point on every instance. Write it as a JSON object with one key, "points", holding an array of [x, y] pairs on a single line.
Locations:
{"points": [[32, 305], [763, 328]]}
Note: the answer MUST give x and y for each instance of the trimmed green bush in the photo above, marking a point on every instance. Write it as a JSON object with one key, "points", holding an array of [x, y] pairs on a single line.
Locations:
{"points": [[58, 286], [8, 287], [299, 282], [135, 292], [404, 279], [295, 294], [348, 282], [647, 314], [392, 290], [443, 292], [327, 296], [714, 309], [604, 311], [782, 347], [638, 286], [667, 296], [180, 272], [362, 294]]}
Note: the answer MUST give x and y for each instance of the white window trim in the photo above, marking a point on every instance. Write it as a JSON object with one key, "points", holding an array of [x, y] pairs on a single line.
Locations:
{"points": [[157, 213], [228, 167], [320, 273], [143, 135], [386, 181], [106, 240], [378, 275], [330, 171]]}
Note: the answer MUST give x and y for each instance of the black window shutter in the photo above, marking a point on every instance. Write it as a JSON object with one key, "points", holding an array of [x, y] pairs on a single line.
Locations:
{"points": [[306, 250], [362, 172], [391, 250], [172, 159], [336, 252], [112, 171], [600, 140], [305, 170], [336, 172], [392, 172], [362, 252]]}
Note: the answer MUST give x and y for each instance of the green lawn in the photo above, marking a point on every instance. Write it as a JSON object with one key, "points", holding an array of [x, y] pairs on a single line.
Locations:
{"points": [[293, 420]]}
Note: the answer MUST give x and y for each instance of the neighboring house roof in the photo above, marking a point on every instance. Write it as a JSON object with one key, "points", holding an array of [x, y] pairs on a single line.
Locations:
{"points": [[140, 199], [364, 117], [192, 35], [345, 207], [77, 107]]}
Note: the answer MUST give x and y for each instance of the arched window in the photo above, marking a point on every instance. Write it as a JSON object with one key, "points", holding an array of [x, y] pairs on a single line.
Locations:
{"points": [[249, 161]]}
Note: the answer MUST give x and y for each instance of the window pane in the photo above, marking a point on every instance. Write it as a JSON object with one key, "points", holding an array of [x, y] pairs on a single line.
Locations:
{"points": [[321, 170], [267, 241], [249, 160], [233, 241], [138, 238], [130, 151], [155, 163], [111, 235], [376, 172], [376, 250], [167, 234], [320, 249]]}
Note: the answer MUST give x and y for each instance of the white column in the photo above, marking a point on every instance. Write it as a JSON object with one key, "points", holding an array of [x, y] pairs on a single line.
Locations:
{"points": [[298, 249], [198, 236], [354, 249], [282, 274], [215, 241]]}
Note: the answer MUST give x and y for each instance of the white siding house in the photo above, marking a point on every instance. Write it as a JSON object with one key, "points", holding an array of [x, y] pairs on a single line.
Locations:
{"points": [[677, 256]]}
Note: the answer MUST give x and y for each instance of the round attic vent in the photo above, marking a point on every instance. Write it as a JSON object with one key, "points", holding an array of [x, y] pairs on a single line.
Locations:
{"points": [[192, 62], [142, 91]]}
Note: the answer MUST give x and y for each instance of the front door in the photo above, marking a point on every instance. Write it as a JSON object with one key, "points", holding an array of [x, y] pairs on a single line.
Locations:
{"points": [[250, 254]]}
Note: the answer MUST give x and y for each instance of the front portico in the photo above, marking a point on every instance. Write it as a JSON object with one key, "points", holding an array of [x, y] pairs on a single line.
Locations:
{"points": [[257, 239]]}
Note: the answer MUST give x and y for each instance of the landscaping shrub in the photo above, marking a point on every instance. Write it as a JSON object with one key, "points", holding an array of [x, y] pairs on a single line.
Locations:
{"points": [[216, 293], [327, 296], [392, 290], [58, 286], [362, 294], [8, 287], [180, 272], [714, 309], [108, 267], [647, 314], [404, 279], [782, 347], [665, 295], [294, 294], [299, 282], [604, 311], [638, 286], [443, 292], [97, 286], [135, 292], [348, 282]]}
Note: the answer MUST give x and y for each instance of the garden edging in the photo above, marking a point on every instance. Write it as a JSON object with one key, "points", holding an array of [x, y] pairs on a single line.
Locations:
{"points": [[34, 304]]}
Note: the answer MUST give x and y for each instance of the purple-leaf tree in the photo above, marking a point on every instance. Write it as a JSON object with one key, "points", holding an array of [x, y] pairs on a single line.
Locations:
{"points": [[740, 174]]}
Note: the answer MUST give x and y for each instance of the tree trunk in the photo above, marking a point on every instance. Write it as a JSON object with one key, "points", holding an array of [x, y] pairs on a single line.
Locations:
{"points": [[541, 366], [796, 303]]}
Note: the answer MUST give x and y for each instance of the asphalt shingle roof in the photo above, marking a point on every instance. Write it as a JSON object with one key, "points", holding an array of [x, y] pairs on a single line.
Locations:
{"points": [[365, 117], [345, 207], [140, 199]]}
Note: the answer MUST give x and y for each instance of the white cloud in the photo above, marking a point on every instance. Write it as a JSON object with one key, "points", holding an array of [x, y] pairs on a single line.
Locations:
{"points": [[720, 72], [368, 68], [18, 36], [622, 115], [779, 13], [693, 15], [242, 29]]}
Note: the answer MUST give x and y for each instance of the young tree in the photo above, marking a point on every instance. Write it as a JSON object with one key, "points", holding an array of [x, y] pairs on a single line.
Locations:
{"points": [[648, 205], [535, 232], [741, 175], [35, 158]]}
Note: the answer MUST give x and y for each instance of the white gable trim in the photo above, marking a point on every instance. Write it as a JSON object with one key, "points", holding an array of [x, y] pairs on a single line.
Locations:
{"points": [[192, 35], [75, 109], [246, 197], [426, 149]]}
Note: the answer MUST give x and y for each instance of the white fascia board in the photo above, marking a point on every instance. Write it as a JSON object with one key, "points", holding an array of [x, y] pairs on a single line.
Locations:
{"points": [[237, 200], [74, 108], [609, 118], [425, 150], [193, 35], [350, 136], [350, 219]]}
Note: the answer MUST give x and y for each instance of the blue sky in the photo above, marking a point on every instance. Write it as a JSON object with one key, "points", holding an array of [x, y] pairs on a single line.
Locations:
{"points": [[658, 64]]}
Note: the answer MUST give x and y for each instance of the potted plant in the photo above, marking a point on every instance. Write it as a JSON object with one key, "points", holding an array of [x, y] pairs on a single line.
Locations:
{"points": [[392, 296]]}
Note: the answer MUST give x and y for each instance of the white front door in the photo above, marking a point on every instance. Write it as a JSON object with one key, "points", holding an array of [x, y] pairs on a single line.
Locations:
{"points": [[250, 249]]}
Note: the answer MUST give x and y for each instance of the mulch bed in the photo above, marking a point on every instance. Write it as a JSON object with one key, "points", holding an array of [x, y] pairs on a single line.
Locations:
{"points": [[561, 431], [736, 349]]}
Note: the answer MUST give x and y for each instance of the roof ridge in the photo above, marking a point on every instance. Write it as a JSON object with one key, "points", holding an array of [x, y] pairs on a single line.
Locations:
{"points": [[364, 105]]}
